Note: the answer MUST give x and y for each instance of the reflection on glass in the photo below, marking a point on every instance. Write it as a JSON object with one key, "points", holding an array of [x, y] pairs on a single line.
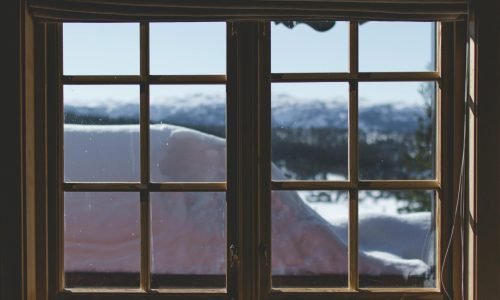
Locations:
{"points": [[187, 133], [397, 46], [315, 47], [101, 133], [188, 48], [101, 239], [188, 239], [101, 49], [309, 130], [309, 238], [397, 130], [397, 243]]}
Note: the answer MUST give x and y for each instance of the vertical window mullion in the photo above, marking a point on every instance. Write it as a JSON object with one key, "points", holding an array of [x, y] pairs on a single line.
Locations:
{"points": [[232, 134], [58, 30], [145, 174], [353, 156], [265, 175]]}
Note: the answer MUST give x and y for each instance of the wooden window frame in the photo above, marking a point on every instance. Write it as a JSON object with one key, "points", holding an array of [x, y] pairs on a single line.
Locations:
{"points": [[246, 120]]}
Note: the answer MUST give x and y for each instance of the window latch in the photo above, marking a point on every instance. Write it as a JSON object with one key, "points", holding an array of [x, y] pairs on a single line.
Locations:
{"points": [[233, 255]]}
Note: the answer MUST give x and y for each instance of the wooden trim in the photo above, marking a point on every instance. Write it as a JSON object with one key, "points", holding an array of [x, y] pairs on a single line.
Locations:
{"points": [[138, 187], [232, 133], [247, 173], [379, 293], [470, 161], [265, 163], [58, 71], [353, 157], [144, 78], [42, 160], [458, 122], [361, 76], [145, 207], [90, 294], [227, 10], [360, 185]]}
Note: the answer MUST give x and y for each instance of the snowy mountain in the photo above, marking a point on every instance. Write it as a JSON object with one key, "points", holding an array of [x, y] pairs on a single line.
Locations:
{"points": [[287, 112]]}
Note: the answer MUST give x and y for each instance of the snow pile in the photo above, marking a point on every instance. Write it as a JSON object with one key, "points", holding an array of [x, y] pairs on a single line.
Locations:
{"points": [[102, 230]]}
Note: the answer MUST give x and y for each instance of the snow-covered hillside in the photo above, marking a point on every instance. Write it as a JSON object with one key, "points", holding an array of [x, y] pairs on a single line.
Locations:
{"points": [[188, 229]]}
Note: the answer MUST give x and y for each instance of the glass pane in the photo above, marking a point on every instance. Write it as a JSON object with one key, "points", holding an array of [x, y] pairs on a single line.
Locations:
{"points": [[101, 239], [397, 239], [101, 133], [397, 46], [314, 46], [397, 130], [309, 238], [309, 130], [188, 133], [101, 49], [188, 48], [188, 239]]}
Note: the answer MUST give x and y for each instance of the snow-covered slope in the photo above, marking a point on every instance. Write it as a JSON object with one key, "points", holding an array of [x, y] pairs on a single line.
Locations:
{"points": [[102, 230]]}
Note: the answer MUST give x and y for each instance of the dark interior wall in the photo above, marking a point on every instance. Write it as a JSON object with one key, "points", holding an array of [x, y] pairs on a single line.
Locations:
{"points": [[10, 158], [488, 148]]}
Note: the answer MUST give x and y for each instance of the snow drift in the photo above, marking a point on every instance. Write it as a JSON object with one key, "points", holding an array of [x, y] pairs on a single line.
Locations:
{"points": [[102, 230]]}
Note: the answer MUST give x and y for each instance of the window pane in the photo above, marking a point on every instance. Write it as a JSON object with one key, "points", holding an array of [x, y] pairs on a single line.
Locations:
{"points": [[101, 239], [188, 48], [188, 133], [101, 49], [309, 238], [319, 46], [397, 46], [101, 133], [397, 130], [309, 130], [397, 239], [188, 240]]}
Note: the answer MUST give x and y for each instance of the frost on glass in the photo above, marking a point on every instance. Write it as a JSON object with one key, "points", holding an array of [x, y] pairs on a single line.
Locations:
{"points": [[188, 239], [101, 48], [309, 238], [188, 126], [397, 130], [309, 130], [398, 229], [188, 48], [101, 133], [397, 46], [314, 46], [101, 239]]}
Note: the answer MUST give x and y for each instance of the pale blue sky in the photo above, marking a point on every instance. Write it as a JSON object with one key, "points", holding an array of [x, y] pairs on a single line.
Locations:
{"points": [[199, 48]]}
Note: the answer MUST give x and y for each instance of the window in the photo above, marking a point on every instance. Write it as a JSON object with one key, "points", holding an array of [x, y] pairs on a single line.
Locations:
{"points": [[275, 164]]}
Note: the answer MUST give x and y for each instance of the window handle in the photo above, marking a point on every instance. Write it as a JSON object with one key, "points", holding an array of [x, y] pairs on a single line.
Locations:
{"points": [[233, 258]]}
